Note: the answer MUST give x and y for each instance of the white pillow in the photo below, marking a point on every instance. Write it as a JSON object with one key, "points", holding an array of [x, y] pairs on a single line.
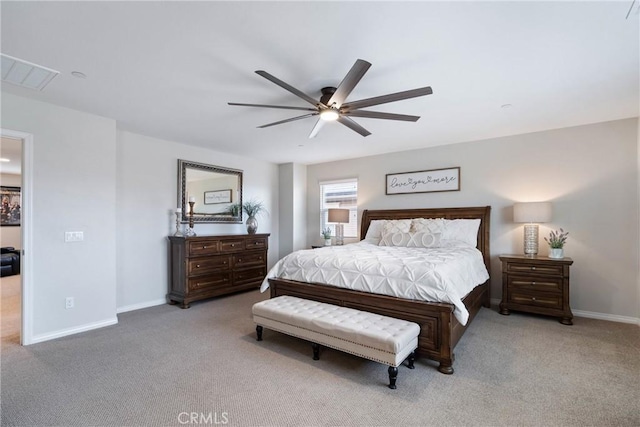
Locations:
{"points": [[396, 226], [374, 232], [420, 239], [461, 230]]}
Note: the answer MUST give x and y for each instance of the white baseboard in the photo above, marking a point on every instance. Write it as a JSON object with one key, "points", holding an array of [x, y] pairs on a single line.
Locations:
{"points": [[141, 305], [592, 315], [71, 331]]}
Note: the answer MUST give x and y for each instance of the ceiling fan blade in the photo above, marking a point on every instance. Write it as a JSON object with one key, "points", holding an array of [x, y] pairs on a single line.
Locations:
{"points": [[349, 82], [353, 126], [379, 115], [392, 97], [293, 119], [290, 88], [272, 106], [317, 128]]}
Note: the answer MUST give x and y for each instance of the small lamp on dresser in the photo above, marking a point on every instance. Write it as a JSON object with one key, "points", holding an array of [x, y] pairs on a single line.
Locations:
{"points": [[339, 217], [531, 213]]}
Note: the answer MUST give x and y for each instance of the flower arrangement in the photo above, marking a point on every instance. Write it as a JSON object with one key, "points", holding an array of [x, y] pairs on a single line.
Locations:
{"points": [[326, 233], [253, 208], [557, 239]]}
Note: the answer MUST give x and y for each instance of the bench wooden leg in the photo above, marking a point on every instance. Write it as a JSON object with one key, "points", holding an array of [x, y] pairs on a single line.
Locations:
{"points": [[393, 376], [316, 351], [259, 332], [412, 358]]}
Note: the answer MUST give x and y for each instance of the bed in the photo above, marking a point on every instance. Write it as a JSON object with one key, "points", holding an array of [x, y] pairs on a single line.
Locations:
{"points": [[440, 329]]}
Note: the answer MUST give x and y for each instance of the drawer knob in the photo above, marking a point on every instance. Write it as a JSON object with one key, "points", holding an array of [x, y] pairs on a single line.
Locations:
{"points": [[533, 283], [533, 298], [204, 247], [239, 259], [197, 265], [533, 268], [233, 244]]}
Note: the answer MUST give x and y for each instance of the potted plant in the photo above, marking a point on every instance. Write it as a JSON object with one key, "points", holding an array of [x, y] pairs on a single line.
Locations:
{"points": [[326, 233], [253, 208], [556, 242]]}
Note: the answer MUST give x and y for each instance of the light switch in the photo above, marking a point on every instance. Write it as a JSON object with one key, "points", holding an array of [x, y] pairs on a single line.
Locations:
{"points": [[73, 236]]}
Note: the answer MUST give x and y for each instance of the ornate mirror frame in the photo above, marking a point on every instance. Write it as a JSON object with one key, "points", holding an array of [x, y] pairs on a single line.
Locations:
{"points": [[217, 192]]}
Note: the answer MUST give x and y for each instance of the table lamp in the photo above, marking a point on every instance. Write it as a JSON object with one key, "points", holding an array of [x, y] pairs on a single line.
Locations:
{"points": [[339, 217], [531, 213]]}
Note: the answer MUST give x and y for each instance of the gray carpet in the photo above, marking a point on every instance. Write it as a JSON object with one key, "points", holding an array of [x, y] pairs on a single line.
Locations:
{"points": [[164, 365]]}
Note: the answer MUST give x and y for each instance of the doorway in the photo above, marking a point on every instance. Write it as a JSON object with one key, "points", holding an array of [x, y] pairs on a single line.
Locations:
{"points": [[15, 237]]}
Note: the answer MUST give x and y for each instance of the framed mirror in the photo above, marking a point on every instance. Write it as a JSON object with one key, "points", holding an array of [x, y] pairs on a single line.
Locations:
{"points": [[216, 192]]}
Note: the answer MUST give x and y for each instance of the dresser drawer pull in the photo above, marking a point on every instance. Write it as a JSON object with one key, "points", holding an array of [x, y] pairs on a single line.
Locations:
{"points": [[533, 283], [239, 259], [533, 268], [197, 265], [233, 244], [204, 247], [533, 298]]}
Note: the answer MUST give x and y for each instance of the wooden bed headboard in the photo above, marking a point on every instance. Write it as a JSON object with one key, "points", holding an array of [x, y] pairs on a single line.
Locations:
{"points": [[481, 212]]}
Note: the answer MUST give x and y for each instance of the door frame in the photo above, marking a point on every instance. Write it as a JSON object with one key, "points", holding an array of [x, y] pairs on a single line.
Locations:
{"points": [[26, 268]]}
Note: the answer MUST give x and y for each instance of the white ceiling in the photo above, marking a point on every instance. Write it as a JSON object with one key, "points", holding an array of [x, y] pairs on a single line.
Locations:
{"points": [[168, 69]]}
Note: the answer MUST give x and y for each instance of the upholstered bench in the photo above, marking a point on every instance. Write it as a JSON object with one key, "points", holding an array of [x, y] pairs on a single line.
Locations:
{"points": [[371, 336]]}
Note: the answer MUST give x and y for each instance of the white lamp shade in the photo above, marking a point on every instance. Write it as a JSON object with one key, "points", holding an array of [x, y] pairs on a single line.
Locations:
{"points": [[532, 212], [338, 215]]}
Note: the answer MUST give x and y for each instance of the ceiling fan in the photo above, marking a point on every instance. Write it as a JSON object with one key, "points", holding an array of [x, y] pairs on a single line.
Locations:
{"points": [[332, 105]]}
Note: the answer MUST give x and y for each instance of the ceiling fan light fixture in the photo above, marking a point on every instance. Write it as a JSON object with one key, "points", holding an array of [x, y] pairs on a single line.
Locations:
{"points": [[329, 114]]}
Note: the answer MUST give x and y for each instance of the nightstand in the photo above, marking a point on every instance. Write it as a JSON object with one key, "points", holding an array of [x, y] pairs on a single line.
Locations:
{"points": [[536, 285]]}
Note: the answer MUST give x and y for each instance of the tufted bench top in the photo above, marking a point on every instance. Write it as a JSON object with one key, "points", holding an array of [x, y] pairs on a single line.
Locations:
{"points": [[367, 329]]}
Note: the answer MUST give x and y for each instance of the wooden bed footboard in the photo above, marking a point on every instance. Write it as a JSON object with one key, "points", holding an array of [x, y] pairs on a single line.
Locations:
{"points": [[440, 331]]}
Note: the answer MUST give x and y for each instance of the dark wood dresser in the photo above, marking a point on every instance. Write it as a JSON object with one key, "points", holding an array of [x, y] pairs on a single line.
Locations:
{"points": [[208, 266], [536, 285]]}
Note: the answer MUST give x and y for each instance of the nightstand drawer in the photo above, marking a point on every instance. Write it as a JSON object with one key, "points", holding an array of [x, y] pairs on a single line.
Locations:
{"points": [[537, 300], [536, 283], [514, 267]]}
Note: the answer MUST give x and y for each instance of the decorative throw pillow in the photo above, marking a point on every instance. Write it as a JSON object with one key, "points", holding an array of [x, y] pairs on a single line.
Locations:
{"points": [[420, 239], [432, 225], [396, 226]]}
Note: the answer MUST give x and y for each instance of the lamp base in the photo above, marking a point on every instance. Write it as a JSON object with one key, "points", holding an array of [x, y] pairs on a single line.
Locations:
{"points": [[531, 239], [339, 234]]}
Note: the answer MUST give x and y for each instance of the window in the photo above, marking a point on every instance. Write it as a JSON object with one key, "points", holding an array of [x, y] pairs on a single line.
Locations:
{"points": [[340, 194]]}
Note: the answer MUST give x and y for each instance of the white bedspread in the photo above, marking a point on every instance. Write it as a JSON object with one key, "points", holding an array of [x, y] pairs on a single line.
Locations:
{"points": [[443, 274]]}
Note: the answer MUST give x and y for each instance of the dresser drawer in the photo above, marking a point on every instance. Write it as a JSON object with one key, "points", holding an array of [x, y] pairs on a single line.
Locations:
{"points": [[536, 283], [249, 259], [232, 245], [537, 300], [212, 281], [199, 266], [204, 247], [514, 267], [256, 243], [249, 276]]}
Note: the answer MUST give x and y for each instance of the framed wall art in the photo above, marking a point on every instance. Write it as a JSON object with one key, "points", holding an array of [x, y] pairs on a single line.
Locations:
{"points": [[216, 197], [428, 181], [10, 206]]}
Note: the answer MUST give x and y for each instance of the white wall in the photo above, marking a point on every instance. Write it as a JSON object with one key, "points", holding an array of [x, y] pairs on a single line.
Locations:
{"points": [[11, 236], [147, 194], [74, 189], [293, 207], [590, 173]]}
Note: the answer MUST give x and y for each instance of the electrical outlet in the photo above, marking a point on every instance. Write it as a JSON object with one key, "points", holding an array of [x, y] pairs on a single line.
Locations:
{"points": [[69, 302]]}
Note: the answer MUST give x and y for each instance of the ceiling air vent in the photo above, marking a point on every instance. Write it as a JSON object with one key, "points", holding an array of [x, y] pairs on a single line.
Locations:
{"points": [[25, 74]]}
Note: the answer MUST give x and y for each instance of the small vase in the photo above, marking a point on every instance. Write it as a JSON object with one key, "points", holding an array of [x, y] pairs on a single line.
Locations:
{"points": [[252, 225], [327, 242], [556, 253]]}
